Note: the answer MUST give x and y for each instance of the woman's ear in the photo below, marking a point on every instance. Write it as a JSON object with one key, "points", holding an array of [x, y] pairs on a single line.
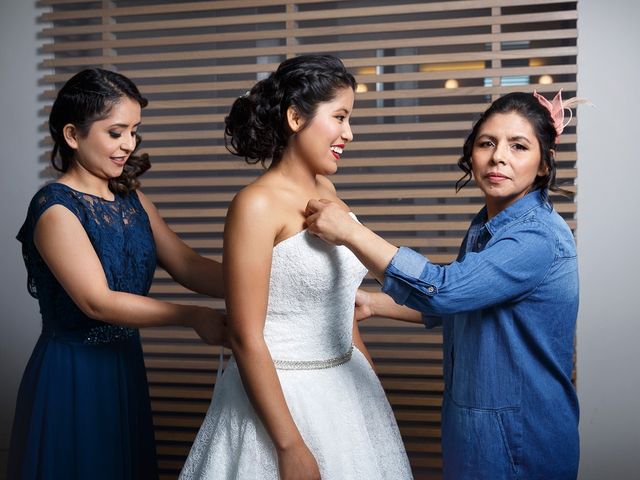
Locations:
{"points": [[543, 170], [294, 120], [70, 134]]}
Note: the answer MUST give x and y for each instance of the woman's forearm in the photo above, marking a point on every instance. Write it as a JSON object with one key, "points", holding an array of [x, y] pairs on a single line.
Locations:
{"points": [[202, 275], [137, 311], [382, 305], [373, 251], [263, 388]]}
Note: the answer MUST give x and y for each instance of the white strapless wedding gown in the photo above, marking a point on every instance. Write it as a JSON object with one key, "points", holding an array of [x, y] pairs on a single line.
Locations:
{"points": [[333, 394]]}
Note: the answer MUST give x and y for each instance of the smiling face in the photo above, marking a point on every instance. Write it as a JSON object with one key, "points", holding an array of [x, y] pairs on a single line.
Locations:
{"points": [[104, 150], [505, 160], [320, 143]]}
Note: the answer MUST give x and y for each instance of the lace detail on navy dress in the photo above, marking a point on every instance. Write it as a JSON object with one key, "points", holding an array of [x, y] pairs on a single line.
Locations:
{"points": [[120, 233]]}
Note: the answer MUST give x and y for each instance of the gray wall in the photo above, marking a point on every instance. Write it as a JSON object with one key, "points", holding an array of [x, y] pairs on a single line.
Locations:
{"points": [[19, 152], [609, 198], [608, 327]]}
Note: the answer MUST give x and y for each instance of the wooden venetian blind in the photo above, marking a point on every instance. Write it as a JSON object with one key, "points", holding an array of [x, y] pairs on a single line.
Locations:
{"points": [[426, 69]]}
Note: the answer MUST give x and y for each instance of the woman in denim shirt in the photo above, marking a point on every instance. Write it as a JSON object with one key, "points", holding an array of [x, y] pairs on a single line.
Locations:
{"points": [[507, 305]]}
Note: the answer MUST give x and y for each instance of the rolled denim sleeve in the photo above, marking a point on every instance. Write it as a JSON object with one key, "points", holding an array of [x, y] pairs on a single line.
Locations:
{"points": [[511, 265], [403, 275]]}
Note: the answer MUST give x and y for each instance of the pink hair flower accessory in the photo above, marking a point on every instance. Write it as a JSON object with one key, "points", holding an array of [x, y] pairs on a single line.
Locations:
{"points": [[557, 107]]}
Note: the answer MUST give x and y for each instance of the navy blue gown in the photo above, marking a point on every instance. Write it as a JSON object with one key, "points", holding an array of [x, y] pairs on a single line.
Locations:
{"points": [[83, 409]]}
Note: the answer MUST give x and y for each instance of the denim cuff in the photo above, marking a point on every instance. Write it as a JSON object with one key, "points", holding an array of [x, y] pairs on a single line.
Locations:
{"points": [[403, 273]]}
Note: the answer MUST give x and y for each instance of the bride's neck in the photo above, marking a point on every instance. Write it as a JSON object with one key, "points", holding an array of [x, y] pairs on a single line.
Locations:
{"points": [[296, 175]]}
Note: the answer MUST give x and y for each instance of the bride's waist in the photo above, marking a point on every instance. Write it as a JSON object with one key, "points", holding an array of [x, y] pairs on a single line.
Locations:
{"points": [[313, 364], [289, 352]]}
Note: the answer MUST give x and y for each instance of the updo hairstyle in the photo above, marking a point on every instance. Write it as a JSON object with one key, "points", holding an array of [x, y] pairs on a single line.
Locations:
{"points": [[257, 128]]}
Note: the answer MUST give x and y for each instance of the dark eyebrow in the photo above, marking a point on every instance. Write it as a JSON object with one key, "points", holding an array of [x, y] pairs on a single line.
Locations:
{"points": [[519, 138], [516, 138], [342, 109], [123, 125], [490, 137]]}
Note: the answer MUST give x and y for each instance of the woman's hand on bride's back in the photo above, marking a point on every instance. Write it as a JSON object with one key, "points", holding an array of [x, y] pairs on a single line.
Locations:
{"points": [[211, 326], [298, 463], [363, 309]]}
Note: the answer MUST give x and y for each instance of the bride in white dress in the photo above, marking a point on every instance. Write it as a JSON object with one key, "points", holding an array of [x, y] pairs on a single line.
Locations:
{"points": [[299, 398]]}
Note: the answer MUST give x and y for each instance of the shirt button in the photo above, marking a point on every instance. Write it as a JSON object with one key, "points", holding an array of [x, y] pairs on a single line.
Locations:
{"points": [[430, 289]]}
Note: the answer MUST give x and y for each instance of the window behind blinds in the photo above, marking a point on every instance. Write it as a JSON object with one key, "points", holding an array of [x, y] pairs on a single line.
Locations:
{"points": [[426, 69]]}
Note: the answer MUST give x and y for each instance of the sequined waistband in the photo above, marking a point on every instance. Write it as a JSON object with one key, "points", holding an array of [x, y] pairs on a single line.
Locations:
{"points": [[313, 364], [97, 335]]}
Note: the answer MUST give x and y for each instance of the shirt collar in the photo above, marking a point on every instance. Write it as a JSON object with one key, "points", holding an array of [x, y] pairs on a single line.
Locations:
{"points": [[513, 212]]}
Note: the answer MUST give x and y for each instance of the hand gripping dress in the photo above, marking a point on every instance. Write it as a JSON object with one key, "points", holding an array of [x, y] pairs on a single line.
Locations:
{"points": [[83, 407], [332, 392]]}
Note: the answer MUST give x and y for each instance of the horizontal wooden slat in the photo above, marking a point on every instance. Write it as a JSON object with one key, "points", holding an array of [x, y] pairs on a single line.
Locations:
{"points": [[220, 5], [199, 348], [441, 74], [308, 49], [176, 72], [345, 194], [351, 29], [362, 179], [356, 147], [292, 16], [426, 111], [178, 7], [363, 211], [207, 380]]}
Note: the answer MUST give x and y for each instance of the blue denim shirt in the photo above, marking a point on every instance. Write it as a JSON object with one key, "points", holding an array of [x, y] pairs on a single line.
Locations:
{"points": [[508, 307]]}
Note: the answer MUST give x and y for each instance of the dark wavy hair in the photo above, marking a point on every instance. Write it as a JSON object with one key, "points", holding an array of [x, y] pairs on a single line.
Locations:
{"points": [[87, 97], [526, 105], [256, 127]]}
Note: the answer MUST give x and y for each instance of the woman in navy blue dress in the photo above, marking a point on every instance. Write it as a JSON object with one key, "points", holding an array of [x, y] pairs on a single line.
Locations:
{"points": [[90, 242]]}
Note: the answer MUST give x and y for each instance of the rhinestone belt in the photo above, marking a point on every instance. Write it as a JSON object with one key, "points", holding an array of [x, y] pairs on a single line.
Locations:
{"points": [[313, 364]]}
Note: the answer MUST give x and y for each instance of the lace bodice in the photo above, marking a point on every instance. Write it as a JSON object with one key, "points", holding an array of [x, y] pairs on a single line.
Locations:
{"points": [[120, 233], [311, 299]]}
